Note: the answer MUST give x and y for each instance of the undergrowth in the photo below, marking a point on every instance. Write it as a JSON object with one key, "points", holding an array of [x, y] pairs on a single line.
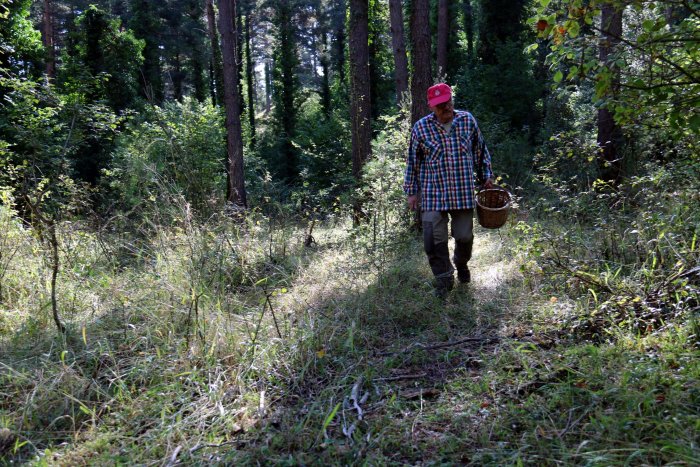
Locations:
{"points": [[202, 341]]}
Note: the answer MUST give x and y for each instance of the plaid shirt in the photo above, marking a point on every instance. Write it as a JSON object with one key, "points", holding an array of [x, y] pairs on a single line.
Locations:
{"points": [[441, 166]]}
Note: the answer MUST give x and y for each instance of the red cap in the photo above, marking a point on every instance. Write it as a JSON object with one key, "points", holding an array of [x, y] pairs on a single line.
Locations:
{"points": [[438, 94]]}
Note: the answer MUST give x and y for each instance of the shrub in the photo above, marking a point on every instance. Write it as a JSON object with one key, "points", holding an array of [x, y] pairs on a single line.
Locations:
{"points": [[178, 149]]}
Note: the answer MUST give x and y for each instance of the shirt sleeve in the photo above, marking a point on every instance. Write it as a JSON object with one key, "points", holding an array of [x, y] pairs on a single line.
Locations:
{"points": [[411, 185], [481, 155]]}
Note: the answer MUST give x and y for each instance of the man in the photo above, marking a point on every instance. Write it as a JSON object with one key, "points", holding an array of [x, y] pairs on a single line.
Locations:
{"points": [[445, 151]]}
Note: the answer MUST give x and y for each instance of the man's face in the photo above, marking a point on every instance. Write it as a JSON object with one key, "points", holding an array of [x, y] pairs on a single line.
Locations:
{"points": [[444, 112]]}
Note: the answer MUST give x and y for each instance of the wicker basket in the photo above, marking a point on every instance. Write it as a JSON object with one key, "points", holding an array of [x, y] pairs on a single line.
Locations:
{"points": [[492, 207]]}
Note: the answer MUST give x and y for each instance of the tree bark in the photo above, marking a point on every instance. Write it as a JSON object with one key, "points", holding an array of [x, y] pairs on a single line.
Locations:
{"points": [[177, 77], [325, 79], [217, 85], [398, 45], [469, 28], [360, 102], [145, 25], [324, 57], [195, 11], [500, 21], [268, 86], [55, 264], [443, 30], [609, 133], [250, 79], [48, 40], [339, 33], [234, 146], [239, 54], [286, 67], [422, 74]]}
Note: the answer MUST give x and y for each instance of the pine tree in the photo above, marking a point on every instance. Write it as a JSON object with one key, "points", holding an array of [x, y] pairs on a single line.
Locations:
{"points": [[360, 100], [216, 73], [145, 25], [285, 86], [609, 133], [443, 31], [48, 39], [420, 45], [398, 42], [250, 76], [236, 193]]}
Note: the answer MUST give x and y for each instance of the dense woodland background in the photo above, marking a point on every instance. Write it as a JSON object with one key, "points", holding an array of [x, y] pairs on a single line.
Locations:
{"points": [[206, 256]]}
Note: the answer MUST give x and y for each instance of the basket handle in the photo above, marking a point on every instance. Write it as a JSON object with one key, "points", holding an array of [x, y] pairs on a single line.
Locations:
{"points": [[481, 188]]}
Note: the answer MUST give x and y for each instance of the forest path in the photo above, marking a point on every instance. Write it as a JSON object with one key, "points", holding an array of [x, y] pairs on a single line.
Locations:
{"points": [[396, 375]]}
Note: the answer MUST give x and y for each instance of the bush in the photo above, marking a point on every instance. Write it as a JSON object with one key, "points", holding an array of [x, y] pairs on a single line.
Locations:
{"points": [[178, 149]]}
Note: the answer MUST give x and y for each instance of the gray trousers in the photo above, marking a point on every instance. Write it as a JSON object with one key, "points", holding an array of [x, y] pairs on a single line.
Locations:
{"points": [[435, 240]]}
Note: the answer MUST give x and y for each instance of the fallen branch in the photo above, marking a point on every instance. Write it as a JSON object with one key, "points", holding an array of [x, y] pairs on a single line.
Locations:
{"points": [[482, 340], [400, 377], [173, 458], [202, 446]]}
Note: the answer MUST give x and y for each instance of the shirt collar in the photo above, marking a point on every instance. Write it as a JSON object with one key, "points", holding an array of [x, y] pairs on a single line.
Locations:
{"points": [[433, 118]]}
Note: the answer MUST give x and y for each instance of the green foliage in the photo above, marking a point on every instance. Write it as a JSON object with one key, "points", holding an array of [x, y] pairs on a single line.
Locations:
{"points": [[146, 24], [323, 144], [194, 339], [101, 60], [381, 61], [506, 90], [627, 254], [44, 135], [656, 59], [385, 209], [177, 149], [286, 93], [20, 44]]}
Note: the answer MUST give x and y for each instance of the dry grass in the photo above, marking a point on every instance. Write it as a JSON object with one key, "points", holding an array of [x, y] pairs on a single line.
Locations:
{"points": [[218, 345]]}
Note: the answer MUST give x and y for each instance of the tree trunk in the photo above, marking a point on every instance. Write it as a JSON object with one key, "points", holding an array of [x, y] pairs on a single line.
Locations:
{"points": [[360, 105], [177, 77], [375, 67], [420, 43], [339, 33], [239, 55], [216, 65], [268, 86], [443, 30], [500, 21], [194, 45], [323, 20], [469, 28], [398, 44], [48, 40], [145, 25], [286, 66], [325, 79], [250, 74], [609, 133], [55, 264], [227, 16]]}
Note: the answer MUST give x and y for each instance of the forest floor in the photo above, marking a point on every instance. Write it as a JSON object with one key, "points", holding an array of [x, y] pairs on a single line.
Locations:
{"points": [[348, 359]]}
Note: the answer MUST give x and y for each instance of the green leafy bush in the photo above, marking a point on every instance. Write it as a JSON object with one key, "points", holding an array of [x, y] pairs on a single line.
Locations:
{"points": [[178, 149]]}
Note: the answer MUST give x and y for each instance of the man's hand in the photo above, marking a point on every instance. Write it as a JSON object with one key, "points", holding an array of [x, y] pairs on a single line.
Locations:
{"points": [[413, 202], [488, 183]]}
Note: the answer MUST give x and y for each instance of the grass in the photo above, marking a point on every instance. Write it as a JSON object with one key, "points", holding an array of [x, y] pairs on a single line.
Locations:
{"points": [[218, 345]]}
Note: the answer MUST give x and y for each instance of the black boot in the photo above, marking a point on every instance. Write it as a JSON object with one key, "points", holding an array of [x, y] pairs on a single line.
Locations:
{"points": [[463, 274], [463, 253], [443, 285]]}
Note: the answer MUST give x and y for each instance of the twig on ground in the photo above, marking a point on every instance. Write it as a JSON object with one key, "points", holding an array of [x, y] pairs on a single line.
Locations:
{"points": [[481, 340], [202, 446], [400, 377], [173, 458], [355, 397]]}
